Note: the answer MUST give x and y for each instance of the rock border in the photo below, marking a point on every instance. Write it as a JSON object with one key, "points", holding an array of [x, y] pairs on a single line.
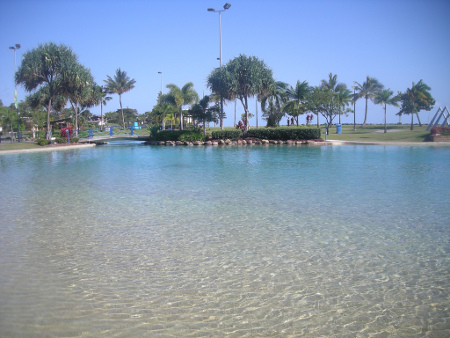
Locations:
{"points": [[238, 142]]}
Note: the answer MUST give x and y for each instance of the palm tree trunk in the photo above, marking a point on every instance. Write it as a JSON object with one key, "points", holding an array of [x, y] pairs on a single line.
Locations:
{"points": [[418, 119], [412, 121], [121, 109], [75, 109], [385, 128], [49, 107], [181, 118], [365, 114], [101, 114]]}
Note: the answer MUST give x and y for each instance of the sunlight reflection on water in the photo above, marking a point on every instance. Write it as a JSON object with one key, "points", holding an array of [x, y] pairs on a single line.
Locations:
{"points": [[134, 240]]}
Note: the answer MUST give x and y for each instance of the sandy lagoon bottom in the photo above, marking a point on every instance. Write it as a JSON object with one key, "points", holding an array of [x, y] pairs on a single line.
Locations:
{"points": [[130, 240]]}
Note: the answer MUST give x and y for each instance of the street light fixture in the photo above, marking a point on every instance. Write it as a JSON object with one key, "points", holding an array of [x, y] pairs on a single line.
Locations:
{"points": [[15, 47], [225, 7], [160, 73]]}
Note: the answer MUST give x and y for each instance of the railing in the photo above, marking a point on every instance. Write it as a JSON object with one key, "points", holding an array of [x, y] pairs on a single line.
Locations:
{"points": [[112, 131]]}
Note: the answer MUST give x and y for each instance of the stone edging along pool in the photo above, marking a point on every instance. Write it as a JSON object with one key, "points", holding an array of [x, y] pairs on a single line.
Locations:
{"points": [[235, 142]]}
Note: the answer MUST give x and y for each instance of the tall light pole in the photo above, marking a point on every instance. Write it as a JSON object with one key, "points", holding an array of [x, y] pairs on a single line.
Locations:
{"points": [[225, 7], [354, 103], [17, 46], [160, 73]]}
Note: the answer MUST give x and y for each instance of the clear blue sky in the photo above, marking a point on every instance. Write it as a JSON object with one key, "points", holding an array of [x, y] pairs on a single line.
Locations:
{"points": [[397, 41]]}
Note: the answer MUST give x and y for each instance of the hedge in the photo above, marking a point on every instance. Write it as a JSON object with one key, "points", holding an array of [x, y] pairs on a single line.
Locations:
{"points": [[189, 135], [284, 133], [224, 134]]}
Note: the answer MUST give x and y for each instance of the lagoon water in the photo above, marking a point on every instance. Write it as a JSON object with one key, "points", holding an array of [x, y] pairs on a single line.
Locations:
{"points": [[132, 240]]}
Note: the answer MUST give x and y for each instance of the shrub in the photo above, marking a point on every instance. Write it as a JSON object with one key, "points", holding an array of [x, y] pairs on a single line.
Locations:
{"points": [[440, 131], [188, 135], [65, 130], [224, 134], [43, 142], [284, 133], [60, 140], [74, 140]]}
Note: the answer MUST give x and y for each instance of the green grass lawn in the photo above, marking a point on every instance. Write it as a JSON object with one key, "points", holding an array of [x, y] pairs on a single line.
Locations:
{"points": [[375, 133], [6, 145]]}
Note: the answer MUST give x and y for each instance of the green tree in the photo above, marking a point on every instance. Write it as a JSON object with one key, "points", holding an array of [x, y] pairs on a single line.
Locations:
{"points": [[296, 97], [332, 84], [241, 78], [41, 99], [159, 113], [415, 99], [367, 90], [78, 88], [180, 97], [45, 66], [384, 98], [328, 103], [101, 98], [343, 98], [121, 83], [201, 111], [272, 103]]}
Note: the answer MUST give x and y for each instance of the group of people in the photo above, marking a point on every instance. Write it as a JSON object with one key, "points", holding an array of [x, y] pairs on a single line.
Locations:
{"points": [[290, 121]]}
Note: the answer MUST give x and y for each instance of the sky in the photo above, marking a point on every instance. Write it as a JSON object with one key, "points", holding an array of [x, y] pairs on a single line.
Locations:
{"points": [[397, 42]]}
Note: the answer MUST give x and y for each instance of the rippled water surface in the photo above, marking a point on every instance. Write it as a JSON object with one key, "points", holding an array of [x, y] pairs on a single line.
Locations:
{"points": [[131, 240]]}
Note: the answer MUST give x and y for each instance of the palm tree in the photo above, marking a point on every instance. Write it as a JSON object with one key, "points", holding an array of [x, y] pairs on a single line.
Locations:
{"points": [[201, 111], [367, 90], [296, 96], [241, 78], [384, 98], [273, 101], [100, 97], [343, 98], [415, 99], [77, 87], [332, 83], [44, 67], [121, 83], [180, 97]]}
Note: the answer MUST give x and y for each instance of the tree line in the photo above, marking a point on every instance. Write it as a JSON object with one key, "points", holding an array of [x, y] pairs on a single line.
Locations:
{"points": [[54, 75], [57, 78]]}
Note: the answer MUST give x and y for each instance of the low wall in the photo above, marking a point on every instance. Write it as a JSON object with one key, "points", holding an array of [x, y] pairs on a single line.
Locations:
{"points": [[440, 138]]}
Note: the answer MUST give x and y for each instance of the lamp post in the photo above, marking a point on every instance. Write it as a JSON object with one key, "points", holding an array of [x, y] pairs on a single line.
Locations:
{"points": [[160, 73], [354, 112], [17, 46], [225, 7]]}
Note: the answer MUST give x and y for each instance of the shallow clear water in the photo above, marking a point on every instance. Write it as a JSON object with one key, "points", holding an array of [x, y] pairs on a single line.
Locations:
{"points": [[133, 240]]}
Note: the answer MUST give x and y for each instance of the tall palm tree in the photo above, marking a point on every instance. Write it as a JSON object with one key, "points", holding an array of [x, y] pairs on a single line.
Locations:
{"points": [[100, 97], [332, 83], [180, 97], [384, 98], [296, 96], [343, 98], [415, 99], [367, 90], [121, 83]]}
